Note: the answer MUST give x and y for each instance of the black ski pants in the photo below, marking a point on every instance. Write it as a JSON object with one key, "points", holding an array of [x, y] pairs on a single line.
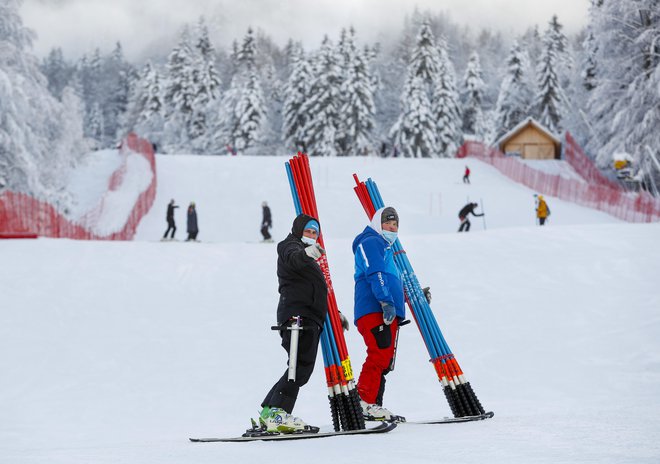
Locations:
{"points": [[265, 233], [170, 226], [465, 225], [284, 393]]}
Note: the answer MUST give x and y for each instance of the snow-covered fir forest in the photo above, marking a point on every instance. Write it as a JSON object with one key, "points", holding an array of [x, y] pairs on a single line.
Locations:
{"points": [[432, 85]]}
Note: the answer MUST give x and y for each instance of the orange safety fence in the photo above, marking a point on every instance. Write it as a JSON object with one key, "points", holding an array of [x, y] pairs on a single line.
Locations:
{"points": [[23, 216], [596, 191]]}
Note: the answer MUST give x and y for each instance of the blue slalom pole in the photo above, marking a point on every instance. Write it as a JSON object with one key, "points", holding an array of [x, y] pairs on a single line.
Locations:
{"points": [[459, 393]]}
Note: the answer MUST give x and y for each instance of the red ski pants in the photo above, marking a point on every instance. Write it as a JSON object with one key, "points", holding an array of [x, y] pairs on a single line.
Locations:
{"points": [[380, 340]]}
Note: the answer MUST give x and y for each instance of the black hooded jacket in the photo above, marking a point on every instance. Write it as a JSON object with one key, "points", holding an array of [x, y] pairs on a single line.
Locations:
{"points": [[302, 287], [467, 209]]}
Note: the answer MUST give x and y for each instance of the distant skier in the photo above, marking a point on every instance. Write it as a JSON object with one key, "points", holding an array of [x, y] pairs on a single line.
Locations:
{"points": [[466, 176], [542, 210], [303, 303], [170, 220], [192, 228], [463, 216], [266, 222]]}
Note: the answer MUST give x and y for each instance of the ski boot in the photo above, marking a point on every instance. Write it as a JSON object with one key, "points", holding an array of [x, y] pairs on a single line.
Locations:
{"points": [[278, 420], [375, 412]]}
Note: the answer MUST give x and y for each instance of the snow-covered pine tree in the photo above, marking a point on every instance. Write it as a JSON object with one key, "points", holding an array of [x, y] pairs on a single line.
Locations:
{"points": [[424, 60], [272, 64], [243, 111], [445, 106], [322, 107], [564, 63], [247, 53], [58, 72], [223, 121], [296, 92], [623, 108], [179, 94], [473, 87], [145, 109], [39, 142], [89, 79], [414, 134], [549, 100], [118, 79], [532, 41], [96, 124], [514, 102], [589, 67], [207, 88], [250, 115], [357, 111]]}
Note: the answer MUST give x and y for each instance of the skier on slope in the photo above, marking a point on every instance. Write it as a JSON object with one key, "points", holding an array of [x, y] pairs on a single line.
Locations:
{"points": [[463, 216], [466, 176], [303, 293], [266, 222], [170, 220], [379, 308]]}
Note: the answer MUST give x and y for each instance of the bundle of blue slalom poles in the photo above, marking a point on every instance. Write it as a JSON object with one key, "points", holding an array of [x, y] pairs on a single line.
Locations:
{"points": [[459, 393]]}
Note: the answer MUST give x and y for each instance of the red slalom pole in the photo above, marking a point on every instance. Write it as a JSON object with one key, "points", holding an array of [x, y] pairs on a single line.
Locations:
{"points": [[343, 392]]}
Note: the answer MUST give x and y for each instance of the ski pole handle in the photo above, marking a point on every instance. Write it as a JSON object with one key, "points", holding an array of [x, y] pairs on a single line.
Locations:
{"points": [[295, 329]]}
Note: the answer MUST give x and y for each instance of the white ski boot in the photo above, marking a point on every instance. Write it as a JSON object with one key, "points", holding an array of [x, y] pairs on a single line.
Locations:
{"points": [[278, 420], [375, 412]]}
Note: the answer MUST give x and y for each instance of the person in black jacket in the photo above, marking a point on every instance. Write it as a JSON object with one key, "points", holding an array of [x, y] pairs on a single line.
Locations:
{"points": [[463, 216], [191, 223], [170, 220], [266, 222], [303, 298]]}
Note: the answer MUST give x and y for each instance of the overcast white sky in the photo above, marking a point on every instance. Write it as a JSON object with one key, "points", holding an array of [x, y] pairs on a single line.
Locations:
{"points": [[144, 26]]}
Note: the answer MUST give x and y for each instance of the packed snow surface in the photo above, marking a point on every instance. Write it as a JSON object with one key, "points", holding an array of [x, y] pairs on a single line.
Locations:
{"points": [[119, 351]]}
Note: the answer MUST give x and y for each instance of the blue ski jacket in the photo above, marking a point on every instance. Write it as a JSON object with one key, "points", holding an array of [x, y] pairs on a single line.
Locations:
{"points": [[376, 276]]}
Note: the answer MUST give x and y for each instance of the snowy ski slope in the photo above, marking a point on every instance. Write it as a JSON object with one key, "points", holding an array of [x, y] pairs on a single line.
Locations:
{"points": [[119, 351]]}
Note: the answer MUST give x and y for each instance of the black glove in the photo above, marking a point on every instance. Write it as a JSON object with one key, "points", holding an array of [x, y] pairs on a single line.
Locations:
{"points": [[427, 294], [344, 321]]}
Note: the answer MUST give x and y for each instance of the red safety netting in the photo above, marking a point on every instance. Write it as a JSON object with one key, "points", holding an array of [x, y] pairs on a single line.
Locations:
{"points": [[597, 191], [23, 216]]}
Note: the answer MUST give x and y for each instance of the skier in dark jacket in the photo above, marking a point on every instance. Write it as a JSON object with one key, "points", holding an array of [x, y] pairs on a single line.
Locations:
{"points": [[192, 228], [170, 220], [303, 302], [266, 222], [463, 216]]}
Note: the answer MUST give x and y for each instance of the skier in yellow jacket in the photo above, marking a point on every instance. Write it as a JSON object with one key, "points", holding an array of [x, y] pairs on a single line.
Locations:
{"points": [[542, 210]]}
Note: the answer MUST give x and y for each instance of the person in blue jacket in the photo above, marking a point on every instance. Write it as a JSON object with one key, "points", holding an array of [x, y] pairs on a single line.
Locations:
{"points": [[379, 307]]}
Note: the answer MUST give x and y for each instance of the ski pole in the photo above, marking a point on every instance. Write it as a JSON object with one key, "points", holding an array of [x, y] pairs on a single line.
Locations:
{"points": [[295, 329], [396, 342], [483, 211]]}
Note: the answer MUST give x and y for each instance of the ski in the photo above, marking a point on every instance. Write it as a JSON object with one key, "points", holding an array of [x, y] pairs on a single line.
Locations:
{"points": [[449, 420], [383, 427]]}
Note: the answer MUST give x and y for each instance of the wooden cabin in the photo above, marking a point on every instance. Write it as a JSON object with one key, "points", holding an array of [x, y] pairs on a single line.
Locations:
{"points": [[530, 140]]}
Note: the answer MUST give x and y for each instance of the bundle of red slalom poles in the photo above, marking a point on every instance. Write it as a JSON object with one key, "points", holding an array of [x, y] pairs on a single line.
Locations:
{"points": [[342, 392]]}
